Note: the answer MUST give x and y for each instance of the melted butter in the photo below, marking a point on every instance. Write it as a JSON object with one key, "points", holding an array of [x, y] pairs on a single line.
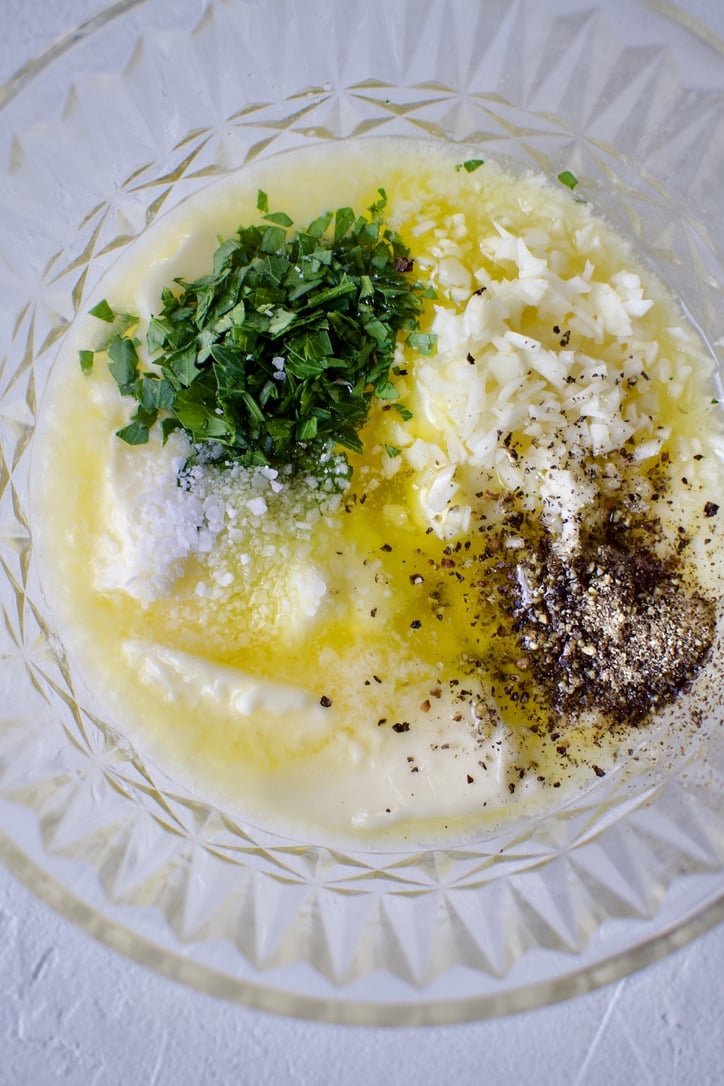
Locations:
{"points": [[408, 633]]}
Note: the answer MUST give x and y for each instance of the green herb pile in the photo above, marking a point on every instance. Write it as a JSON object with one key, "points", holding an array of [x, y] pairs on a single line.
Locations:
{"points": [[276, 355]]}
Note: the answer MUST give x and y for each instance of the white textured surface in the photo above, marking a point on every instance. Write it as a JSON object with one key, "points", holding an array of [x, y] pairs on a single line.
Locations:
{"points": [[72, 1011]]}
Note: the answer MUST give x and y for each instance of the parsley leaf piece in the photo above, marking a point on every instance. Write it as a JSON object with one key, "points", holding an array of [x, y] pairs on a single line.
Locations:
{"points": [[344, 220], [154, 393], [472, 164], [568, 179], [308, 429], [273, 239], [180, 367], [136, 433], [123, 363], [199, 418], [317, 228], [103, 312], [156, 335], [378, 206], [86, 360], [120, 324], [279, 217]]}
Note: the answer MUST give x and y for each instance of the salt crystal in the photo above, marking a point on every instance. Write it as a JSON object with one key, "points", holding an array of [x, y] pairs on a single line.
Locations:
{"points": [[257, 506]]}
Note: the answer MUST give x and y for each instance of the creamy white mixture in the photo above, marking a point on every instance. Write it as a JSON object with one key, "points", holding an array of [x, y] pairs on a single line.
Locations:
{"points": [[297, 653]]}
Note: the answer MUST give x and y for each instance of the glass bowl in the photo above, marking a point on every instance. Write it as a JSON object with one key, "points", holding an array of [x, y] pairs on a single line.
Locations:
{"points": [[146, 104]]}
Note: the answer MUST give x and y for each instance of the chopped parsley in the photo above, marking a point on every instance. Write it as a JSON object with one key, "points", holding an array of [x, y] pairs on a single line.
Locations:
{"points": [[86, 360], [276, 355], [568, 179], [470, 165], [103, 312]]}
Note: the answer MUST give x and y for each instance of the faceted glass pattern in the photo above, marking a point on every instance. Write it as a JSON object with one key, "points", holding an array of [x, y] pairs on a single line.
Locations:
{"points": [[147, 104]]}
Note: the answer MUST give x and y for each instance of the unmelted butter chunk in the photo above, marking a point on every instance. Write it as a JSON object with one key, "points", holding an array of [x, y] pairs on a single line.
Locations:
{"points": [[211, 692], [152, 525]]}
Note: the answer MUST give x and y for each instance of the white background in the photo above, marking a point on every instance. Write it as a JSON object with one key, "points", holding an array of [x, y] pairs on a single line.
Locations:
{"points": [[73, 1011]]}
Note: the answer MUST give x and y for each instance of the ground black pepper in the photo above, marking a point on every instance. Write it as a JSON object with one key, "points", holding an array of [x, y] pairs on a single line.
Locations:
{"points": [[614, 630]]}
